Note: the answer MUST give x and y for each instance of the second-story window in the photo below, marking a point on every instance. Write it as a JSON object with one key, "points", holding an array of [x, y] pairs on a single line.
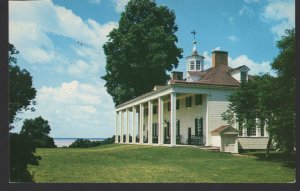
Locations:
{"points": [[188, 101]]}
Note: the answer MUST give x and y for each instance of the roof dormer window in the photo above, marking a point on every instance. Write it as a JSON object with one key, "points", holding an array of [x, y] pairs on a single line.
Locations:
{"points": [[243, 77]]}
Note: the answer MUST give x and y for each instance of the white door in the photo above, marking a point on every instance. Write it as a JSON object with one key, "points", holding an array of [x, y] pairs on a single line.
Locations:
{"points": [[229, 142]]}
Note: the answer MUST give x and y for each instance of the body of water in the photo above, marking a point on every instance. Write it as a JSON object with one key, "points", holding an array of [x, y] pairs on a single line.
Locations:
{"points": [[61, 142]]}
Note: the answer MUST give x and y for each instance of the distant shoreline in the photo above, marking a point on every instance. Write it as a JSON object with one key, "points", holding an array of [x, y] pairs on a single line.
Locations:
{"points": [[77, 138], [65, 142]]}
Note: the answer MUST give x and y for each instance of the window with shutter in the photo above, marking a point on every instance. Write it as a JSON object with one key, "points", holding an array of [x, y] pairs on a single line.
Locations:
{"points": [[154, 129], [177, 104], [188, 101], [251, 131], [169, 106]]}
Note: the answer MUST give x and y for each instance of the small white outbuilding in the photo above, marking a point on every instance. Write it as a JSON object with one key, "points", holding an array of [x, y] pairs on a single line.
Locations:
{"points": [[225, 137]]}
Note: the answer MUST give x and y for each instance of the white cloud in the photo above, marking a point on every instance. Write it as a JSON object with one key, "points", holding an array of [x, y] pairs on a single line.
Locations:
{"points": [[217, 48], [43, 18], [281, 14], [120, 5], [94, 1], [73, 108], [256, 68], [232, 38]]}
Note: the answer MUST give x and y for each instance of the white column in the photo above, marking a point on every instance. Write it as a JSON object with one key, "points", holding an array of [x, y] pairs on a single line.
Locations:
{"points": [[160, 121], [127, 126], [257, 133], [116, 129], [150, 117], [235, 125], [122, 121], [266, 134], [133, 124], [173, 119], [244, 131], [206, 120], [141, 122]]}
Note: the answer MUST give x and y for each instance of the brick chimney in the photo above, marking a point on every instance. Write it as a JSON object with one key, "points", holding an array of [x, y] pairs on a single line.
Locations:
{"points": [[219, 58], [176, 75]]}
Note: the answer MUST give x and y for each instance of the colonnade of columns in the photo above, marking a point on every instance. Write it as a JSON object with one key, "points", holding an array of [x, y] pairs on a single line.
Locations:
{"points": [[123, 119]]}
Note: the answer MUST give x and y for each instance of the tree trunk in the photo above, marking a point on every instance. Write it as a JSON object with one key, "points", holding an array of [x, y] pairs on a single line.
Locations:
{"points": [[268, 147]]}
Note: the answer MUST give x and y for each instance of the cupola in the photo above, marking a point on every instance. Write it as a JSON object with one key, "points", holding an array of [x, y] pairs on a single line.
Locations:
{"points": [[195, 62]]}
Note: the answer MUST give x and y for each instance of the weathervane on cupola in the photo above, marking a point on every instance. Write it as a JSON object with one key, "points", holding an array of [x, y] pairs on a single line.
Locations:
{"points": [[194, 42], [195, 62]]}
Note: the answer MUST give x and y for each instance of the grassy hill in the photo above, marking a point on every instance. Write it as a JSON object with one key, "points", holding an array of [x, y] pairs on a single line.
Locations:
{"points": [[137, 163]]}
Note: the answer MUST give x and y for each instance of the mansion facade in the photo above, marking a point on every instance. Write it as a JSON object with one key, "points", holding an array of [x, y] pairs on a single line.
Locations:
{"points": [[188, 110]]}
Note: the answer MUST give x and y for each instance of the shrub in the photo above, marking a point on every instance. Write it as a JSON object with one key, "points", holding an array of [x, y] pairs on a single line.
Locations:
{"points": [[85, 143]]}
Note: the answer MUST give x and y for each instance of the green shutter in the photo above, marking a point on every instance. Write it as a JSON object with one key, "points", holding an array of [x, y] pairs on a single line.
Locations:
{"points": [[196, 127], [168, 129], [178, 133], [201, 126], [200, 99]]}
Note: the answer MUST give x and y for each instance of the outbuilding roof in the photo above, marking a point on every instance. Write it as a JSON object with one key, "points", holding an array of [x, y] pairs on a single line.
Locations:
{"points": [[224, 129]]}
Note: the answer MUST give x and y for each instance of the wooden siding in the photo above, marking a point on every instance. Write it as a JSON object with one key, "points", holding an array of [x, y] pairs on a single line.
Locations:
{"points": [[253, 142]]}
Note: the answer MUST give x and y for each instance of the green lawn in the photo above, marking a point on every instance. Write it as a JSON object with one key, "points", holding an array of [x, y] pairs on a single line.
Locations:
{"points": [[136, 163]]}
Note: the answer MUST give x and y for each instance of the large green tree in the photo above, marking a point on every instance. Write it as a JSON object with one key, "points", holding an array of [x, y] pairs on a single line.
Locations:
{"points": [[270, 100], [285, 104], [21, 96], [140, 50], [252, 105], [21, 91], [38, 130]]}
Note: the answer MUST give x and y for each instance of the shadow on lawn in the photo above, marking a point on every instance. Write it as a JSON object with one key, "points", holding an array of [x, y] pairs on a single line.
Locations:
{"points": [[287, 159]]}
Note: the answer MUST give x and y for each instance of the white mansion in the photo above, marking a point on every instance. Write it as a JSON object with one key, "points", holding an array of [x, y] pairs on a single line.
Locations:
{"points": [[188, 111]]}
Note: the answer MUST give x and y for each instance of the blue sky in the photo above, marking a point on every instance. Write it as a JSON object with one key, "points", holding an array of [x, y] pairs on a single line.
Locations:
{"points": [[66, 75]]}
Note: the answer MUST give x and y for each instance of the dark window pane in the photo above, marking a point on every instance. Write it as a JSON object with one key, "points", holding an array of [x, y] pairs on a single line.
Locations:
{"points": [[155, 109], [243, 76], [188, 101], [198, 99]]}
